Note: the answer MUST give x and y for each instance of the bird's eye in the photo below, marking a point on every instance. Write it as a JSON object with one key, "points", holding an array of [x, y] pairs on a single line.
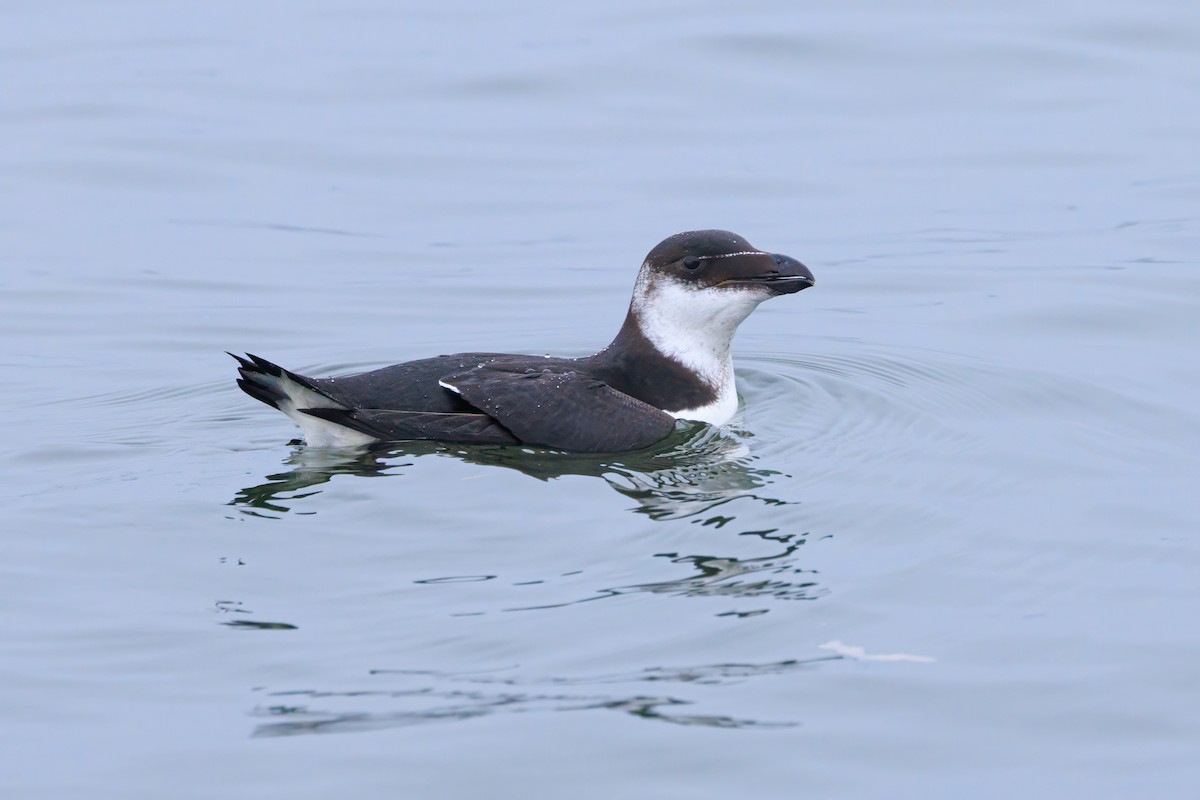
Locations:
{"points": [[692, 262]]}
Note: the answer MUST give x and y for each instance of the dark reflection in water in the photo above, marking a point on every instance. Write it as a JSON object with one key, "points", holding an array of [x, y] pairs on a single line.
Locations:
{"points": [[722, 576], [693, 471], [726, 576], [310, 467], [247, 624], [688, 476], [434, 704], [236, 607]]}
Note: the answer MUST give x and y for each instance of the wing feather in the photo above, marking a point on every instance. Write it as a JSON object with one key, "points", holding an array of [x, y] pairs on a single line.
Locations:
{"points": [[561, 408], [395, 426]]}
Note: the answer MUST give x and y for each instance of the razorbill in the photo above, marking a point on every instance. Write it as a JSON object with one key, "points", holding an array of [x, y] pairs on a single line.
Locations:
{"points": [[670, 360]]}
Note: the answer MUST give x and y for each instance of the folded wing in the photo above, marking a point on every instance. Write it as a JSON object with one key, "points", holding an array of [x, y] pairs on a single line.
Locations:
{"points": [[560, 408], [396, 426]]}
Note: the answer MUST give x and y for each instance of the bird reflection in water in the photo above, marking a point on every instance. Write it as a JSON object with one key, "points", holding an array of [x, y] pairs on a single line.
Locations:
{"points": [[689, 477], [694, 472], [690, 473]]}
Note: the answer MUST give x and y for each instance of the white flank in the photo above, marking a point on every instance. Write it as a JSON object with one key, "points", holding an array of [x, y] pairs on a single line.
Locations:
{"points": [[695, 327], [323, 433], [317, 432], [454, 389]]}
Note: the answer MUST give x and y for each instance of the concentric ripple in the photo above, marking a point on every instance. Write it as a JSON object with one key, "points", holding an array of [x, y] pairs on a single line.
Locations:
{"points": [[855, 400], [862, 402]]}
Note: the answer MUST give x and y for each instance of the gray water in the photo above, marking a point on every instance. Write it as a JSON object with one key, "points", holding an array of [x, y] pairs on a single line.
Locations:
{"points": [[949, 549]]}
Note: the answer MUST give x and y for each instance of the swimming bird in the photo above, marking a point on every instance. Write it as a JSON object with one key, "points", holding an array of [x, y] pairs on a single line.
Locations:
{"points": [[670, 361]]}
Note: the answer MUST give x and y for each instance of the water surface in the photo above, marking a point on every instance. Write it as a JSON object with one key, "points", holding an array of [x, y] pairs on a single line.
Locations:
{"points": [[948, 548]]}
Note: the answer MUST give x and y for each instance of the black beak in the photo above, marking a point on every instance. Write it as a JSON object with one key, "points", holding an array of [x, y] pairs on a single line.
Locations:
{"points": [[789, 276], [781, 274]]}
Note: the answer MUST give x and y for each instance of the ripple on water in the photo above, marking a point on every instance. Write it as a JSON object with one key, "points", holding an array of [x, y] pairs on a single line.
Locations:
{"points": [[851, 400], [856, 400], [695, 471], [420, 697]]}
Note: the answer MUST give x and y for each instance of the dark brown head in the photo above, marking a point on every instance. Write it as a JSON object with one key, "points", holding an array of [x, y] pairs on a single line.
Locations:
{"points": [[693, 291], [721, 259]]}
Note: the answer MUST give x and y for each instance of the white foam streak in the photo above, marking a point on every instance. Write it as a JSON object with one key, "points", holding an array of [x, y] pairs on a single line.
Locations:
{"points": [[860, 654]]}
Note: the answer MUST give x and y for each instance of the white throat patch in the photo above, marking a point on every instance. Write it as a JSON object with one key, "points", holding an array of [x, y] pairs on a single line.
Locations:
{"points": [[694, 326]]}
